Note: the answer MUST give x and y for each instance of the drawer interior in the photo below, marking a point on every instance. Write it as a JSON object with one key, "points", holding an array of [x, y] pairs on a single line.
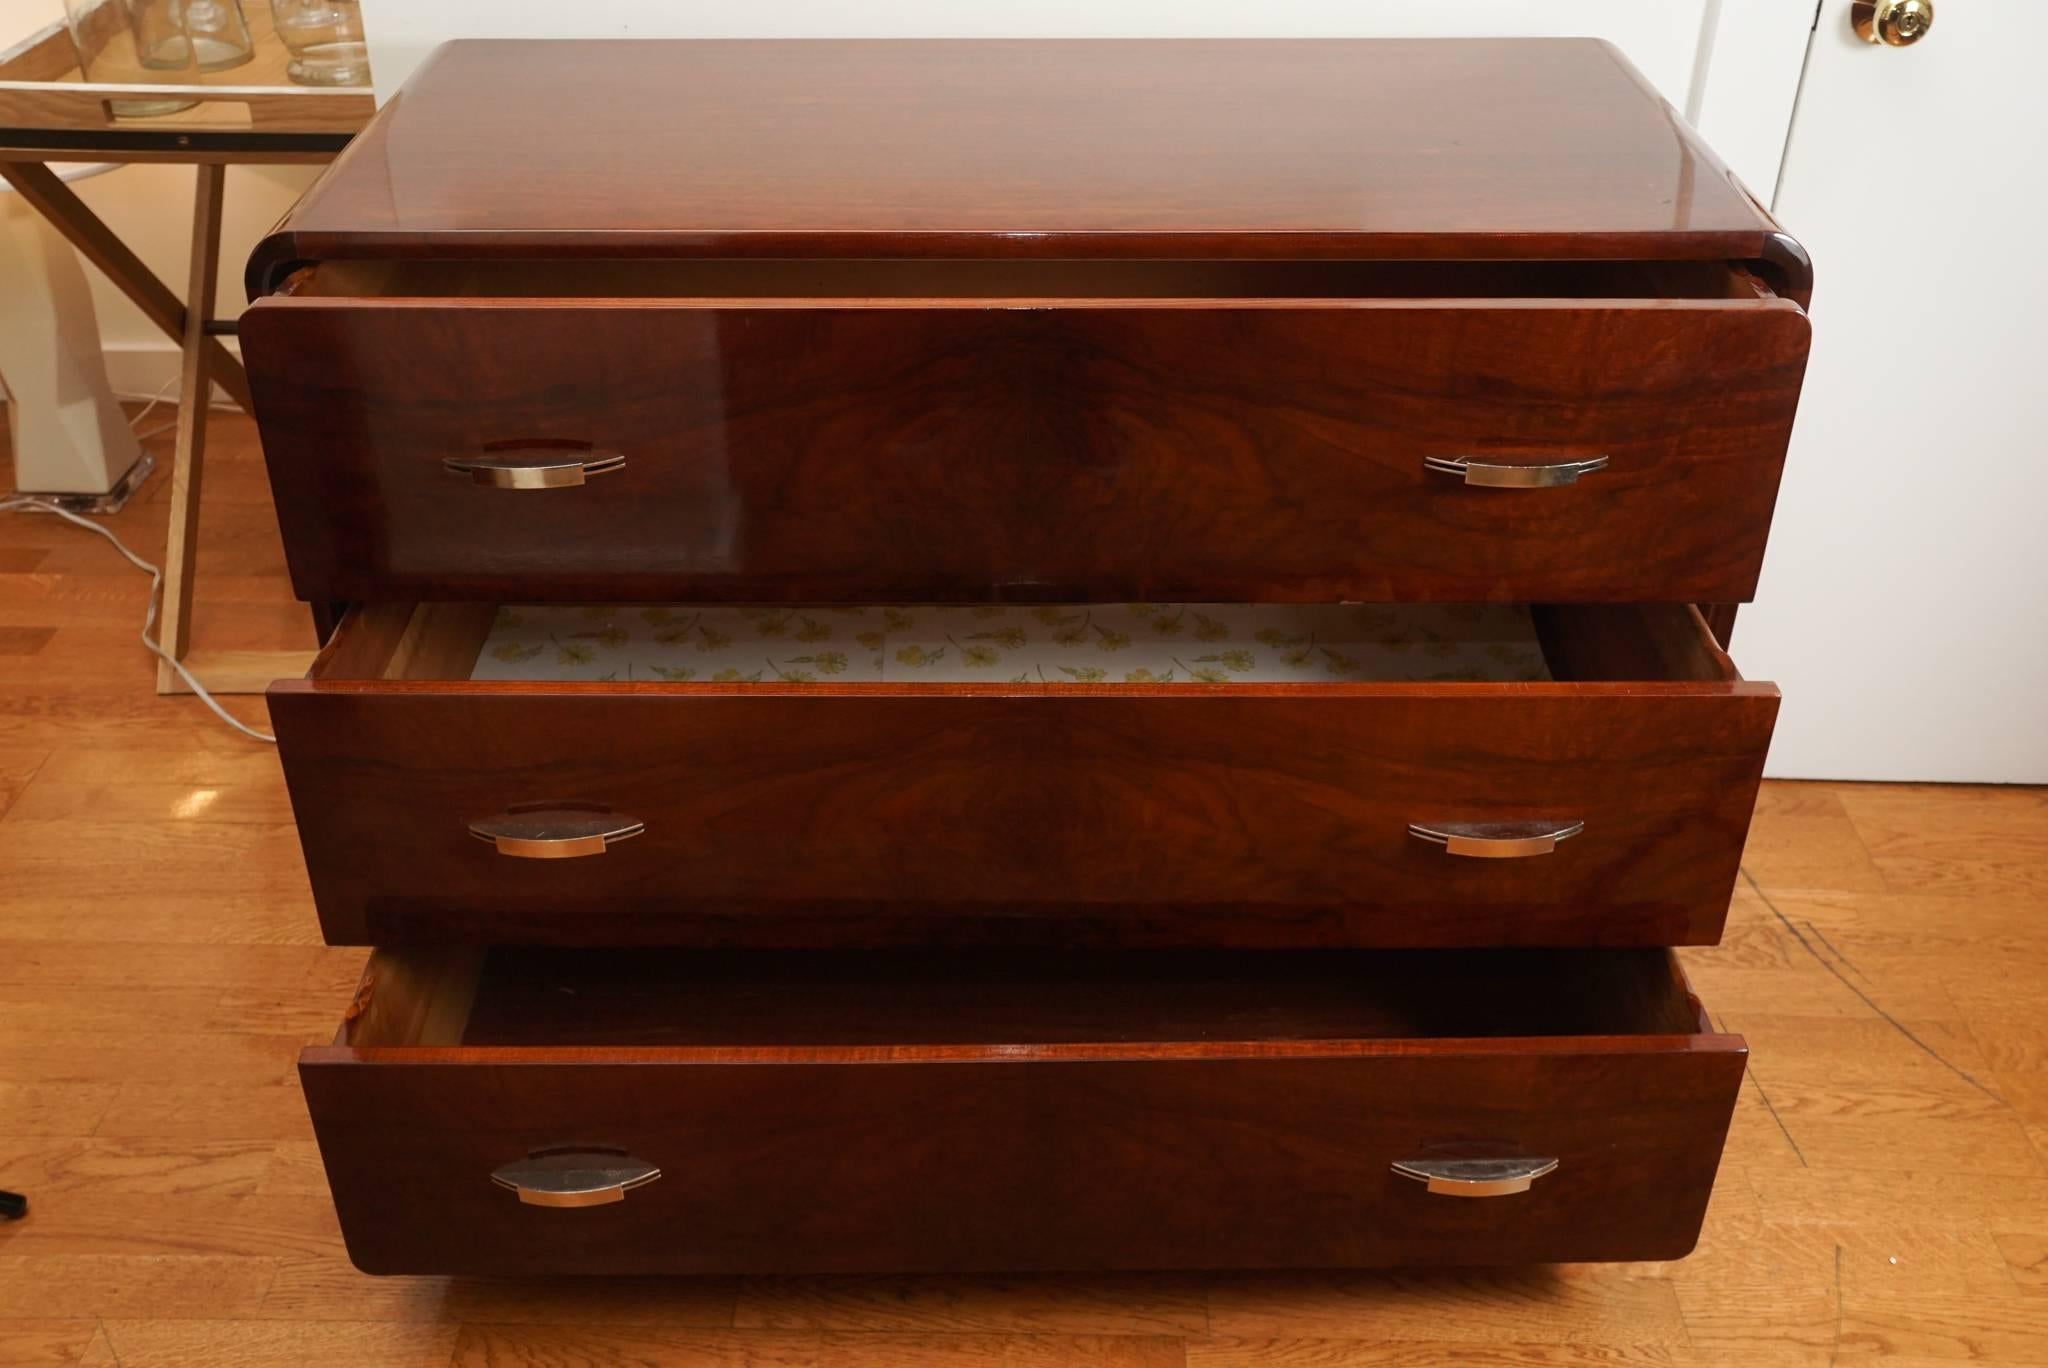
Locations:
{"points": [[1061, 646], [878, 280], [873, 1111], [987, 1002]]}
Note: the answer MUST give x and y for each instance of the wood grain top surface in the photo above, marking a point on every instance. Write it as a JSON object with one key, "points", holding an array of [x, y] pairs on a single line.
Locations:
{"points": [[1391, 149]]}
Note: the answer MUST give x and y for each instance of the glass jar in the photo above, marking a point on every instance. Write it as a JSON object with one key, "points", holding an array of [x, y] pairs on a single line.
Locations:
{"points": [[325, 39], [158, 30], [132, 42], [217, 31]]}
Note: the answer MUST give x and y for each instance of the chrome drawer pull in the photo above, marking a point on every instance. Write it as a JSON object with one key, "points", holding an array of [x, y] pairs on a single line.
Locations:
{"points": [[535, 467], [1496, 840], [1499, 475], [555, 831], [574, 1177], [1475, 1177]]}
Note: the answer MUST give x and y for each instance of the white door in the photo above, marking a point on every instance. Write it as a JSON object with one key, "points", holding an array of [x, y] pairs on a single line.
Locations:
{"points": [[1904, 603]]}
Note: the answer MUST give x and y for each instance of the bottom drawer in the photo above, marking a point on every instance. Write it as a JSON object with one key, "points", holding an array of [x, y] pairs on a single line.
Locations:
{"points": [[599, 1111]]}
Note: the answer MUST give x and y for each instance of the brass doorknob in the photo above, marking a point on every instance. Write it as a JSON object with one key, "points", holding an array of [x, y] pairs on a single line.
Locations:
{"points": [[1900, 23]]}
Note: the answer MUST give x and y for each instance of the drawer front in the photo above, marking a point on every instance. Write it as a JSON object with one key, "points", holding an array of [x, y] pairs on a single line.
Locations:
{"points": [[1177, 1161], [1278, 818], [1171, 451]]}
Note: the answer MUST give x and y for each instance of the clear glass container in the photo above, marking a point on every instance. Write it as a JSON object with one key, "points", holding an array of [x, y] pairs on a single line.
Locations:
{"points": [[158, 30], [325, 39], [217, 31], [132, 42]]}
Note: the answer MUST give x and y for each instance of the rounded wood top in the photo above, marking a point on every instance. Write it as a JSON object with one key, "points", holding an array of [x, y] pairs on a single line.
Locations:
{"points": [[1509, 148]]}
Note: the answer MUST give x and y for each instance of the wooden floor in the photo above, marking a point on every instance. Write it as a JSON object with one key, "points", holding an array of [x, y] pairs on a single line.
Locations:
{"points": [[1884, 1197]]}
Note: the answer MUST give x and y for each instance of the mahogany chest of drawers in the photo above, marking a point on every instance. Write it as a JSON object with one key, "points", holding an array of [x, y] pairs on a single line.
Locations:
{"points": [[1023, 655]]}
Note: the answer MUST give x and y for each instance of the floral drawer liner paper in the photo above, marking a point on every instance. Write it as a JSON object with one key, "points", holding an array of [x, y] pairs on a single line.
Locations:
{"points": [[1125, 643]]}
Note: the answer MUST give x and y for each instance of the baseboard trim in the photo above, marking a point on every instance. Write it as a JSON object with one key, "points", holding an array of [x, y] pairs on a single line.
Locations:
{"points": [[138, 370]]}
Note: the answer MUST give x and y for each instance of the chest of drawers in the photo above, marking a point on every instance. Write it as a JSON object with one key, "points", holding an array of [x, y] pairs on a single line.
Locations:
{"points": [[1023, 655]]}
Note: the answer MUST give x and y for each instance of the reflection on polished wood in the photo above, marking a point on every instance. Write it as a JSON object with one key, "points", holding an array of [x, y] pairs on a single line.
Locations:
{"points": [[1244, 815], [1243, 149], [744, 475], [1884, 1198]]}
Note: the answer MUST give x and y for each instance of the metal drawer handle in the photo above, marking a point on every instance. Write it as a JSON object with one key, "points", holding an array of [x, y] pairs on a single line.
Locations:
{"points": [[535, 467], [1499, 475], [555, 831], [1496, 840], [575, 1177], [1475, 1177]]}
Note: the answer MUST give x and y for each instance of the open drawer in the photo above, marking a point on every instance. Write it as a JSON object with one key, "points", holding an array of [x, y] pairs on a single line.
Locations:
{"points": [[1341, 776], [967, 431], [591, 1111]]}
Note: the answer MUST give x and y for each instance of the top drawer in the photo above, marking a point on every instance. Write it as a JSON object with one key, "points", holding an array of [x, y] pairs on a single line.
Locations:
{"points": [[981, 431]]}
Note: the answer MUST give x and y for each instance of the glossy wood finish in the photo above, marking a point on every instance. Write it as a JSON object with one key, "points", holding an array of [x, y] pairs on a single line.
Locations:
{"points": [[970, 449], [1886, 960], [1323, 148], [1142, 1112], [1025, 323], [1251, 815]]}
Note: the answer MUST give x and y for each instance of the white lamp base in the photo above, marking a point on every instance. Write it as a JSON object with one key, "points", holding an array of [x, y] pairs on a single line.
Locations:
{"points": [[70, 437]]}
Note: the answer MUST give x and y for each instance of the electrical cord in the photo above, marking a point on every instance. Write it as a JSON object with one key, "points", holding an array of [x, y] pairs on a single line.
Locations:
{"points": [[26, 503], [156, 580], [135, 423]]}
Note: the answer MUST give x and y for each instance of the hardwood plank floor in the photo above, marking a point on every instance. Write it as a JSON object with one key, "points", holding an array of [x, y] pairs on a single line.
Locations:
{"points": [[1884, 1198]]}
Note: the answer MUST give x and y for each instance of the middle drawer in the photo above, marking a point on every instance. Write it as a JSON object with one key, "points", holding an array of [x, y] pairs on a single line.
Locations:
{"points": [[1349, 776]]}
